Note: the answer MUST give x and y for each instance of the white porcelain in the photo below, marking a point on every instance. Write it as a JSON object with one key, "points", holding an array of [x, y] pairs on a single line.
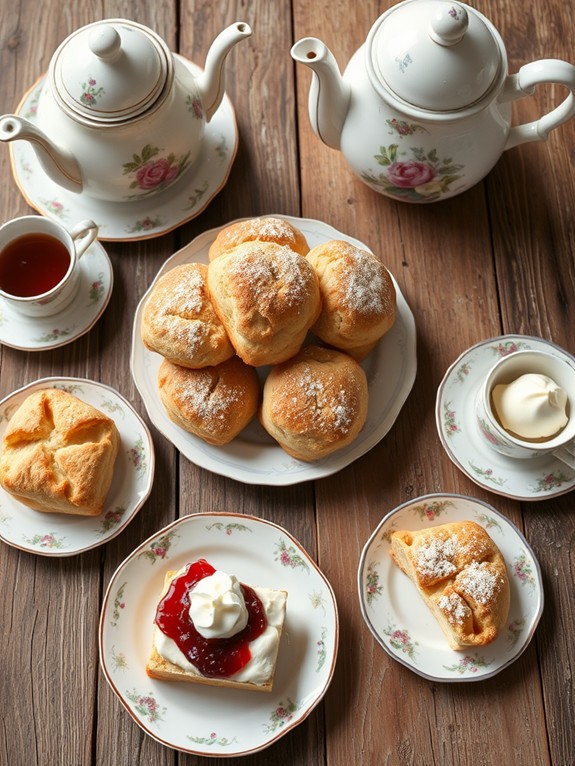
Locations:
{"points": [[253, 456], [555, 364], [119, 117], [95, 284], [76, 241], [405, 627], [423, 109], [136, 220], [540, 477], [57, 534], [211, 721]]}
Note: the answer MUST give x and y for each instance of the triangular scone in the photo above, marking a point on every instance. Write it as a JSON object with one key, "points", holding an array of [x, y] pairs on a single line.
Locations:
{"points": [[461, 575]]}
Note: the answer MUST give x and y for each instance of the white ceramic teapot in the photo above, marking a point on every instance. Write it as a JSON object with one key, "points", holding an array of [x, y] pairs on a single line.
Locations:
{"points": [[423, 110], [119, 117]]}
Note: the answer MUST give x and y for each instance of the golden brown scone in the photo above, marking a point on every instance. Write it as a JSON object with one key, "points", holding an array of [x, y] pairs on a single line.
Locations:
{"points": [[179, 321], [164, 670], [267, 297], [461, 575], [213, 403], [58, 454], [315, 403], [265, 229], [358, 297]]}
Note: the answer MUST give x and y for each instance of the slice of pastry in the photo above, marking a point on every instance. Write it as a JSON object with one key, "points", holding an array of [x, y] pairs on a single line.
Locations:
{"points": [[210, 629], [461, 575]]}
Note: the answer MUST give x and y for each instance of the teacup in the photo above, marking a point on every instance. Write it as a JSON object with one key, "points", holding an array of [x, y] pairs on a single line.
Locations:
{"points": [[39, 263], [555, 364]]}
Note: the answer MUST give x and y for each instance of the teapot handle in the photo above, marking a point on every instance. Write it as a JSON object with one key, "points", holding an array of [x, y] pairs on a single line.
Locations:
{"points": [[523, 84]]}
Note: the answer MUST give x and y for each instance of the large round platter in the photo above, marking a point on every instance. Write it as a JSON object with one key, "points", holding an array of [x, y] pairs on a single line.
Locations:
{"points": [[138, 219], [214, 721], [532, 479], [56, 534], [403, 624], [253, 457]]}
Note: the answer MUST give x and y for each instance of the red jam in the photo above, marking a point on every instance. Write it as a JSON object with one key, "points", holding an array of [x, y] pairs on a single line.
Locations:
{"points": [[213, 657]]}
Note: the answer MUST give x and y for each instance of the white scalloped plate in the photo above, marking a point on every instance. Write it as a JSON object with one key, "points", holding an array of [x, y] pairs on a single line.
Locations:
{"points": [[206, 720]]}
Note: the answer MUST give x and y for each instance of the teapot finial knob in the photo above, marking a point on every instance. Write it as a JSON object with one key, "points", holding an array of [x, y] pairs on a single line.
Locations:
{"points": [[105, 42], [449, 24]]}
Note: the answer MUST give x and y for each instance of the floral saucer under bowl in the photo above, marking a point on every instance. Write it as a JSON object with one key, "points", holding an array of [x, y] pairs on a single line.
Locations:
{"points": [[521, 479], [208, 720], [403, 624], [150, 216], [58, 534], [43, 333]]}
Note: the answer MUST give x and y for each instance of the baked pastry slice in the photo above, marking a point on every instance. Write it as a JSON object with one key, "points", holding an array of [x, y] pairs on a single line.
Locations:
{"points": [[461, 576], [58, 454], [264, 229]]}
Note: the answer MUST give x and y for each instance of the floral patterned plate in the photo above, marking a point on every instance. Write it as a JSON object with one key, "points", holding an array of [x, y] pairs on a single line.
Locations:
{"points": [[136, 219], [206, 720], [55, 534], [253, 457], [532, 479], [403, 624], [41, 333]]}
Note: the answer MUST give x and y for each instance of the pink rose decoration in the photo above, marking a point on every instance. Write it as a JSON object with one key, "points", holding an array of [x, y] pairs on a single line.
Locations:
{"points": [[155, 173], [408, 175]]}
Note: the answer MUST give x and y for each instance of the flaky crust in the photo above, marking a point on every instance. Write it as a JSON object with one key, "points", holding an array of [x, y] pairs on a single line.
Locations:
{"points": [[267, 297], [58, 454], [179, 321], [264, 229], [358, 297], [461, 575], [315, 403], [213, 403]]}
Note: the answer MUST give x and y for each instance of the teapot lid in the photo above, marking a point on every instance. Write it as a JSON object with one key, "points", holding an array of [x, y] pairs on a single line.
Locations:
{"points": [[434, 55], [110, 71]]}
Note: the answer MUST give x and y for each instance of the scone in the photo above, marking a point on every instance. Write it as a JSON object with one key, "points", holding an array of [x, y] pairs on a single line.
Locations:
{"points": [[461, 575], [267, 297], [179, 321], [315, 403], [213, 403], [265, 229], [58, 454], [211, 629], [358, 297]]}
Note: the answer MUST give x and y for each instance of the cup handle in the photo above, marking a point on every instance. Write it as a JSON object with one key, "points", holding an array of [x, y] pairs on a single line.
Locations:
{"points": [[566, 454], [83, 234], [552, 71]]}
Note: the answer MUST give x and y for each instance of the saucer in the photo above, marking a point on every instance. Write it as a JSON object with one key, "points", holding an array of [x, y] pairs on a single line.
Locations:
{"points": [[530, 479], [141, 219], [405, 627], [41, 333], [59, 534]]}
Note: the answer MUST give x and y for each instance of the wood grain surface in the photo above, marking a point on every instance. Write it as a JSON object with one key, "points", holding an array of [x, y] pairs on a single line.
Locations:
{"points": [[497, 259]]}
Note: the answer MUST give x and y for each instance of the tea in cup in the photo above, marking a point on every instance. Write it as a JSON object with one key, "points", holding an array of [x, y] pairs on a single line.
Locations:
{"points": [[39, 263], [526, 405]]}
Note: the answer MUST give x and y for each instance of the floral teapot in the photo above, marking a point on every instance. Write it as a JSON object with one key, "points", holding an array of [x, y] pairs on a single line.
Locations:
{"points": [[423, 110], [119, 117]]}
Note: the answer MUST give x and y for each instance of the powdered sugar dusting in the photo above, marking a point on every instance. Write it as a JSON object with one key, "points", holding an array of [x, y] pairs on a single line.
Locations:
{"points": [[434, 557], [324, 401], [270, 229], [479, 582], [206, 400], [455, 609], [366, 284], [269, 276]]}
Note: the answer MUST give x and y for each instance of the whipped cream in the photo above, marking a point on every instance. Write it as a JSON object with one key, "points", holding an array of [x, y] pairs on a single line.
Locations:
{"points": [[217, 606], [533, 406]]}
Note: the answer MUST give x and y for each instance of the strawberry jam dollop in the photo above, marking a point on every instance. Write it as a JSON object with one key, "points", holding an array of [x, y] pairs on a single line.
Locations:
{"points": [[213, 657]]}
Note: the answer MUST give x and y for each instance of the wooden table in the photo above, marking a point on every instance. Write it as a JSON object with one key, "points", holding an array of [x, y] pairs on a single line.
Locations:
{"points": [[495, 260]]}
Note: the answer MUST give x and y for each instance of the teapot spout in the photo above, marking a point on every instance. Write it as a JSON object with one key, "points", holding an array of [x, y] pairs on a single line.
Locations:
{"points": [[211, 82], [57, 162], [329, 94]]}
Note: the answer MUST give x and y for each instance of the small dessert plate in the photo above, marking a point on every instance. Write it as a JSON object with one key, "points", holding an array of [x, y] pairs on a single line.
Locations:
{"points": [[403, 624], [58, 534], [253, 456], [132, 220], [521, 479], [206, 720], [27, 333]]}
